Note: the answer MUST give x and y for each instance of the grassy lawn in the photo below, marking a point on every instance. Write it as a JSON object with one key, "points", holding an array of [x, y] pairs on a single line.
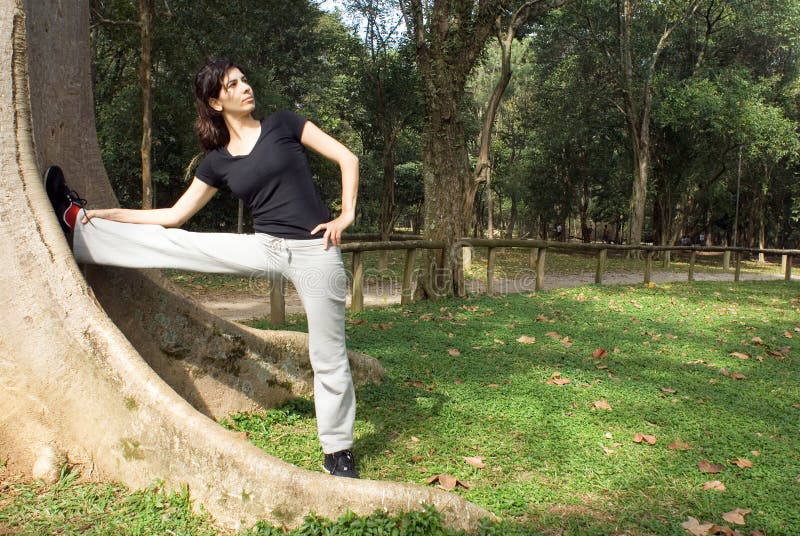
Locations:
{"points": [[547, 393], [665, 360]]}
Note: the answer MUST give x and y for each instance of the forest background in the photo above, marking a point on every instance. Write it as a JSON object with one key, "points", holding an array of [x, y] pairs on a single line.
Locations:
{"points": [[685, 111]]}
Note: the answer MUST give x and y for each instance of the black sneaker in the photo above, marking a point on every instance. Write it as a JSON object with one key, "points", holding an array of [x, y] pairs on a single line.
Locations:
{"points": [[341, 463], [61, 197]]}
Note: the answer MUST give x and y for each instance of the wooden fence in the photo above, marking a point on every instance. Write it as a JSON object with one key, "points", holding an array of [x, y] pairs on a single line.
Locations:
{"points": [[538, 251]]}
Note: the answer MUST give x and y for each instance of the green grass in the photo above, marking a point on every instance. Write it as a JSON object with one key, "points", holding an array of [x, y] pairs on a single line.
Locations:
{"points": [[73, 507], [553, 461], [548, 452]]}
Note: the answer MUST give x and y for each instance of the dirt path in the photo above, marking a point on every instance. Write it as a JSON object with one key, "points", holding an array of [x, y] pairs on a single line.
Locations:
{"points": [[245, 306]]}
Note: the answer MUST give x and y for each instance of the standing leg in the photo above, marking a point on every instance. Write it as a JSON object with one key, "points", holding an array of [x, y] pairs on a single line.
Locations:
{"points": [[320, 280]]}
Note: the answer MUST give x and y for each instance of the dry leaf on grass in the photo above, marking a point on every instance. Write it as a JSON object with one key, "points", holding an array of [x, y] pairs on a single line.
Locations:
{"points": [[602, 404], [705, 466], [525, 339], [454, 352], [714, 485], [600, 353], [669, 390], [679, 445], [696, 528], [447, 482], [552, 334], [736, 516], [742, 463], [556, 379], [757, 340], [739, 355], [644, 438], [475, 461]]}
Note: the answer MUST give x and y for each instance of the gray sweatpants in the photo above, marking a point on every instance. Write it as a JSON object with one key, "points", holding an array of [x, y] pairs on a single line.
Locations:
{"points": [[317, 274]]}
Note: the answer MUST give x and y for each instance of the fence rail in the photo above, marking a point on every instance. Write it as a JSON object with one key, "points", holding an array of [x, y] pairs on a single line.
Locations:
{"points": [[358, 244]]}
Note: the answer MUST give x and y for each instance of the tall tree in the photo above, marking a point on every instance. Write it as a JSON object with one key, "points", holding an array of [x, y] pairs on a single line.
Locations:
{"points": [[145, 24], [449, 36]]}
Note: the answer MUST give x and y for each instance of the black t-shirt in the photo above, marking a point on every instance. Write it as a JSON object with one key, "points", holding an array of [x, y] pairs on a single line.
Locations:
{"points": [[274, 179]]}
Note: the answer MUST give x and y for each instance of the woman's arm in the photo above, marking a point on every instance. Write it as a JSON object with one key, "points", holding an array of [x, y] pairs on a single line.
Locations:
{"points": [[193, 199], [320, 142]]}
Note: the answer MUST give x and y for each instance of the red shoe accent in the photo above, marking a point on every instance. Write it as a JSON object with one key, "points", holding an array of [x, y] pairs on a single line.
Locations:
{"points": [[71, 215]]}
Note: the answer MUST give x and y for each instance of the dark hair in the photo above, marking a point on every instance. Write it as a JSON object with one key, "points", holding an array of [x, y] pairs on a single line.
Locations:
{"points": [[210, 126]]}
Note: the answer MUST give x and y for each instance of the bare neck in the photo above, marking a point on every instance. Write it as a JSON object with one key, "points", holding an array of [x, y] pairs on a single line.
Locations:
{"points": [[244, 132]]}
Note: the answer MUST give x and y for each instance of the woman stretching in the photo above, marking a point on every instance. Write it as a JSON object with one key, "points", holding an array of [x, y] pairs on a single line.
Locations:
{"points": [[264, 163]]}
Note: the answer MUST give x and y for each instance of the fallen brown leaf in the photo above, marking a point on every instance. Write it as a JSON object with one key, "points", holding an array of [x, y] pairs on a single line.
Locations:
{"points": [[669, 390], [742, 463], [738, 376], [602, 404], [556, 379], [788, 334], [714, 485], [740, 355], [525, 339], [475, 461], [644, 438], [600, 353], [706, 466], [679, 445], [696, 528], [454, 352], [357, 321], [736, 516], [552, 334], [757, 340]]}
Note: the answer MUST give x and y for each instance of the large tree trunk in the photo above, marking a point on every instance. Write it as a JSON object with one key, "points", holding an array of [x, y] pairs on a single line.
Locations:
{"points": [[447, 177], [121, 377]]}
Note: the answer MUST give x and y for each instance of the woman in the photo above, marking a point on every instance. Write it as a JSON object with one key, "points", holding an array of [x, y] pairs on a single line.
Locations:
{"points": [[264, 163]]}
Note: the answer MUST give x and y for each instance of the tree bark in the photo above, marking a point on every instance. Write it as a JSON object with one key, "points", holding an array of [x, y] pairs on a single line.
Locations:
{"points": [[146, 15]]}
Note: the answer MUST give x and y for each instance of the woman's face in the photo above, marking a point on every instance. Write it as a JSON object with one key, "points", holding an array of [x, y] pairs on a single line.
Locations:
{"points": [[236, 96]]}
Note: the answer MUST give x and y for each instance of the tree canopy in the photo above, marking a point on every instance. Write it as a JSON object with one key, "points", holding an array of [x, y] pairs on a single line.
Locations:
{"points": [[650, 119]]}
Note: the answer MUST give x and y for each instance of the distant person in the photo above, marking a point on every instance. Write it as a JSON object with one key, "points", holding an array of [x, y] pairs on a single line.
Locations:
{"points": [[559, 231], [264, 162]]}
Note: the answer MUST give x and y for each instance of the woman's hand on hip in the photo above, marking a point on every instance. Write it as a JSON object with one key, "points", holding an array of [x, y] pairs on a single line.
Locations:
{"points": [[334, 229]]}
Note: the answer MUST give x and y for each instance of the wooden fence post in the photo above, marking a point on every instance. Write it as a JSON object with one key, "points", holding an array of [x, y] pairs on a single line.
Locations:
{"points": [[491, 256], [277, 302], [540, 255], [648, 266], [601, 266], [738, 266], [534, 255], [667, 258], [692, 260], [466, 258], [788, 269], [408, 272], [357, 299], [726, 260]]}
